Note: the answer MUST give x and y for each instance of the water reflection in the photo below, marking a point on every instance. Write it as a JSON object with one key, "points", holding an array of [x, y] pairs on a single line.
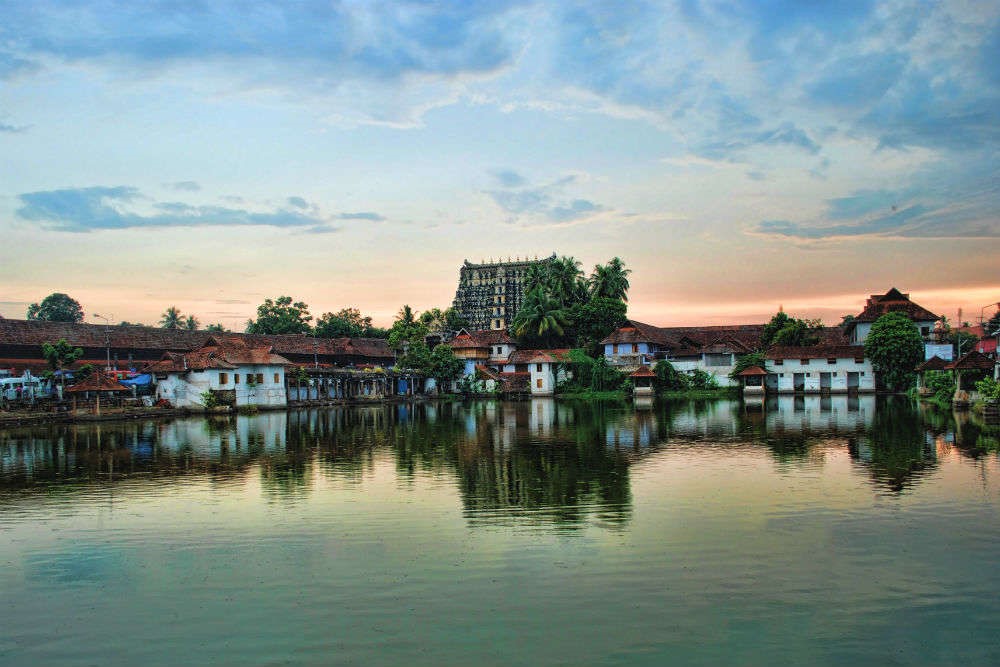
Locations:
{"points": [[542, 460]]}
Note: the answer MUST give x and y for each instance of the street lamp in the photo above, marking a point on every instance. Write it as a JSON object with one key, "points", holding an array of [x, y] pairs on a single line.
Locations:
{"points": [[107, 337], [982, 313]]}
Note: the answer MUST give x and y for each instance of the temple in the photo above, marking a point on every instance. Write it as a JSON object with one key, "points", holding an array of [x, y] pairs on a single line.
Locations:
{"points": [[490, 293]]}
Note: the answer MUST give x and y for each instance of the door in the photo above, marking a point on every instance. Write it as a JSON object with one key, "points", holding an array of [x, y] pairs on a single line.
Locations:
{"points": [[799, 381], [853, 381], [825, 381]]}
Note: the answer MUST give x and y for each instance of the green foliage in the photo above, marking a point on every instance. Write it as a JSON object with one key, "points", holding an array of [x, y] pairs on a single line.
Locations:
{"points": [[594, 319], [345, 323], [540, 319], [895, 348], [407, 329], [942, 384], [82, 373], [191, 323], [989, 389], [961, 342], [993, 324], [591, 374], [417, 357], [61, 354], [301, 376], [703, 380], [172, 318], [216, 328], [746, 361], [610, 281], [669, 378], [444, 365], [785, 330], [281, 316], [209, 399], [56, 307], [440, 321]]}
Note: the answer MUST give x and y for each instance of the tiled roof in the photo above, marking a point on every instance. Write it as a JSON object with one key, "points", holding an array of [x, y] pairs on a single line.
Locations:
{"points": [[643, 372], [750, 371], [935, 363], [893, 301], [217, 352], [816, 352], [480, 338], [538, 356], [98, 381], [34, 333], [689, 341], [971, 361]]}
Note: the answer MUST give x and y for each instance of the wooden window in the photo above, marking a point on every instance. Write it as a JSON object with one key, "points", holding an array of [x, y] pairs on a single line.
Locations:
{"points": [[236, 378], [277, 379], [616, 348], [635, 348], [223, 379], [538, 383], [260, 378], [538, 368], [831, 361], [804, 362]]}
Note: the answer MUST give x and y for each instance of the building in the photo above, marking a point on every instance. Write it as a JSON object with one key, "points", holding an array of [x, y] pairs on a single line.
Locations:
{"points": [[227, 368], [487, 347], [893, 301], [818, 369], [542, 369], [490, 294]]}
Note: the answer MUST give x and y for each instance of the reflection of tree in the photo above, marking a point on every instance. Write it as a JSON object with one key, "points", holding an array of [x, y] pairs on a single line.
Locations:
{"points": [[895, 448]]}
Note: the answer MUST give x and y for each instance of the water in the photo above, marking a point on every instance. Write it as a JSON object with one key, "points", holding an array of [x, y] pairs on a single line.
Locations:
{"points": [[815, 531]]}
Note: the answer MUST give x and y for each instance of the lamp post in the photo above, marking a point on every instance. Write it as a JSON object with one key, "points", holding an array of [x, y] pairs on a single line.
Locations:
{"points": [[107, 338], [982, 313]]}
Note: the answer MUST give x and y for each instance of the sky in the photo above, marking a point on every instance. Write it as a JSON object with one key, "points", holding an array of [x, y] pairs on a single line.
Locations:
{"points": [[739, 157]]}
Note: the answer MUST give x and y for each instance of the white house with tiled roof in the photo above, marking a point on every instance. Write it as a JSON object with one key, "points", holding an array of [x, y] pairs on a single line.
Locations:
{"points": [[892, 301], [238, 375]]}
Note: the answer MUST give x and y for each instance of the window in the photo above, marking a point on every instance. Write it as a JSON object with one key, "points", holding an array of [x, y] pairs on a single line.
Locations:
{"points": [[779, 362], [831, 361], [804, 362], [635, 348], [276, 379], [223, 378], [538, 368], [260, 378], [538, 383], [925, 331], [236, 378], [859, 360], [616, 348]]}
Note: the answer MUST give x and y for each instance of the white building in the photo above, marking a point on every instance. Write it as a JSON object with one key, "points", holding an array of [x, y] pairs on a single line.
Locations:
{"points": [[892, 301], [226, 368], [821, 368], [543, 369]]}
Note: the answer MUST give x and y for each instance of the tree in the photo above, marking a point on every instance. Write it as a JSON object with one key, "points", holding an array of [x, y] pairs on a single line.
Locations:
{"points": [[172, 318], [540, 317], [895, 348], [281, 316], [417, 357], [56, 307], [216, 328], [610, 280], [345, 323], [785, 330], [444, 365], [406, 329], [60, 355], [993, 324], [669, 378], [191, 323], [594, 319], [746, 361]]}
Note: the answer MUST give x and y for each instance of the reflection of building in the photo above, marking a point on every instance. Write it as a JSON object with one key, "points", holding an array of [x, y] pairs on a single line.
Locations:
{"points": [[490, 294], [819, 413]]}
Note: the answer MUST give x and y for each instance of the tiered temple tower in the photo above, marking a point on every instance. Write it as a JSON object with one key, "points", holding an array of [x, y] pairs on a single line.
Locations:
{"points": [[490, 293]]}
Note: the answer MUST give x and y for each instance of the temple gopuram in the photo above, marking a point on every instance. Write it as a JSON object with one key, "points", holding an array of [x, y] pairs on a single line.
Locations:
{"points": [[490, 293]]}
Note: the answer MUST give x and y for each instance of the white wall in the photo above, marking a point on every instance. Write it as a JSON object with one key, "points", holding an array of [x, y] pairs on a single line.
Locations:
{"points": [[838, 381], [185, 389]]}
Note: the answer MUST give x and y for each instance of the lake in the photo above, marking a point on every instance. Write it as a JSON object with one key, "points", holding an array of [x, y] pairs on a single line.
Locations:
{"points": [[811, 530]]}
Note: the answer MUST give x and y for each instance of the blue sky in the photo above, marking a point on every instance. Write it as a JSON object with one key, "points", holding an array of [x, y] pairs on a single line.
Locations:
{"points": [[737, 156]]}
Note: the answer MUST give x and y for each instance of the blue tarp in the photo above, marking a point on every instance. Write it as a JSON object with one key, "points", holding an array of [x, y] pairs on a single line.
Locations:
{"points": [[138, 380]]}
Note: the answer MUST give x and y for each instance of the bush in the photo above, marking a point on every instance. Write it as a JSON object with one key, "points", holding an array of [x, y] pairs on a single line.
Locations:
{"points": [[703, 380], [209, 399], [989, 389], [669, 379], [941, 383]]}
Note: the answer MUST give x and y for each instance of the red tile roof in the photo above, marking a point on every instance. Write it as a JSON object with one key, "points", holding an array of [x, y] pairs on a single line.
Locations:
{"points": [[98, 381], [750, 371], [643, 372], [971, 361], [689, 341], [480, 338], [816, 352], [893, 301], [935, 363], [218, 352], [538, 356]]}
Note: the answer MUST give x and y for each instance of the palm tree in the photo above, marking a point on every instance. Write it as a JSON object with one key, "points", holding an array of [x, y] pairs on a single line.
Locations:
{"points": [[540, 315], [172, 319], [191, 323], [610, 281], [566, 280], [406, 315]]}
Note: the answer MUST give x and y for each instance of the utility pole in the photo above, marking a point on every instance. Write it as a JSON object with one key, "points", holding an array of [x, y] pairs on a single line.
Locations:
{"points": [[107, 338]]}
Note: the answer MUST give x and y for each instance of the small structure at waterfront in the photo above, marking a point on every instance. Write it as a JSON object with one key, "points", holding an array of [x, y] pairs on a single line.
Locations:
{"points": [[752, 380], [969, 369]]}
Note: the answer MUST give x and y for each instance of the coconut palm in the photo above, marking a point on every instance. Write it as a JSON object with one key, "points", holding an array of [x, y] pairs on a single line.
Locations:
{"points": [[566, 281], [541, 315], [172, 318], [191, 323], [610, 281]]}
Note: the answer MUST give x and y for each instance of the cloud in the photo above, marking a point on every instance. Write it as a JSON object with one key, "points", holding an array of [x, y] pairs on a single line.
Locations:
{"points": [[87, 209], [297, 202], [184, 186], [545, 203], [362, 215], [508, 178]]}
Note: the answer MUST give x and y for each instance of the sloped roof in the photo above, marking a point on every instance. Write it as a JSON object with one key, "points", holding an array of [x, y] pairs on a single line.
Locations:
{"points": [[98, 381], [892, 301], [816, 352], [538, 356], [971, 361], [751, 371], [480, 338], [935, 363], [218, 352], [724, 339], [643, 372], [34, 333]]}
